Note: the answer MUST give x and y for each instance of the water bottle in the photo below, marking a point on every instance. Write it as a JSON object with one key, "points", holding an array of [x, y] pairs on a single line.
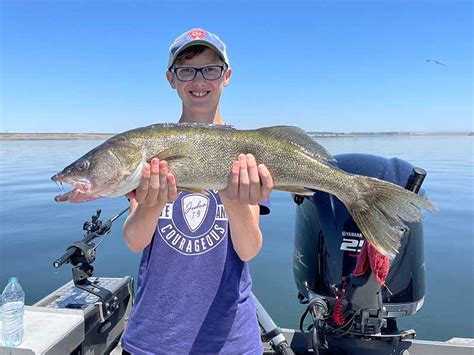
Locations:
{"points": [[13, 306], [1, 320]]}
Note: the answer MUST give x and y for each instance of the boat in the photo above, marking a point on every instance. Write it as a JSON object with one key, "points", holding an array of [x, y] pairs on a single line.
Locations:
{"points": [[347, 312]]}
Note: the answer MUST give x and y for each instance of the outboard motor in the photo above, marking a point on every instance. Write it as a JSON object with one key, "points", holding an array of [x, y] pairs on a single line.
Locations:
{"points": [[327, 245]]}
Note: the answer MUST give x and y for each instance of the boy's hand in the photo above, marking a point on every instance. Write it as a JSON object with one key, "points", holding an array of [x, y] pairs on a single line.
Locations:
{"points": [[248, 183], [157, 185]]}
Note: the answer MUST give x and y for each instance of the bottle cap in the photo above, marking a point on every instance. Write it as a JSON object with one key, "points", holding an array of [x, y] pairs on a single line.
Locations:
{"points": [[13, 280]]}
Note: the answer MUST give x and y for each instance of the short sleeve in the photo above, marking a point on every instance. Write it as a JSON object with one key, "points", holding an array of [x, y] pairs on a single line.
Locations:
{"points": [[264, 207]]}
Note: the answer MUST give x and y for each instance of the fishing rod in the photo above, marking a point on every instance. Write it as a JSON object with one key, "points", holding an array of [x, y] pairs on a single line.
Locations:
{"points": [[84, 249], [82, 254]]}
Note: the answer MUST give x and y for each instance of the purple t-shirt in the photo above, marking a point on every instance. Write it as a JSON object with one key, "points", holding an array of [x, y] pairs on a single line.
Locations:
{"points": [[193, 289]]}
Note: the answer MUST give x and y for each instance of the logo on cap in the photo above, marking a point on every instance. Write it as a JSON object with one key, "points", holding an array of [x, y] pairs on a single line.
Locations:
{"points": [[197, 33]]}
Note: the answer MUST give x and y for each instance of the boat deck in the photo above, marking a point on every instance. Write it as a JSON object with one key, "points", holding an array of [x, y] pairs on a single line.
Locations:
{"points": [[72, 321]]}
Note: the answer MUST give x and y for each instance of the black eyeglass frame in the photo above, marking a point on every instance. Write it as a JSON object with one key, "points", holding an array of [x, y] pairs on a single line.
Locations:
{"points": [[200, 70]]}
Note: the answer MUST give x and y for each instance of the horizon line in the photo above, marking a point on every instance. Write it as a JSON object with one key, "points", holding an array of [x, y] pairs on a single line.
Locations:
{"points": [[315, 132]]}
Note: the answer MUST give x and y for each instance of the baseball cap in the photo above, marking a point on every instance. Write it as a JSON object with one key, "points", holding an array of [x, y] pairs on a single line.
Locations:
{"points": [[194, 37]]}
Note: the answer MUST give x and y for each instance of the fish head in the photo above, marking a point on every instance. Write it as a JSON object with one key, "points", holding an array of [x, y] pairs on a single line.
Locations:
{"points": [[109, 170]]}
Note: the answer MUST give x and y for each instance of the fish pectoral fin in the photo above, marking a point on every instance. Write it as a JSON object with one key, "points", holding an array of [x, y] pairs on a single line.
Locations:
{"points": [[176, 152], [193, 190], [295, 190]]}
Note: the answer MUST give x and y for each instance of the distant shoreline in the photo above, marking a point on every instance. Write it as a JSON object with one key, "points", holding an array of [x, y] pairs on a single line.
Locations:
{"points": [[388, 134], [53, 136], [104, 136]]}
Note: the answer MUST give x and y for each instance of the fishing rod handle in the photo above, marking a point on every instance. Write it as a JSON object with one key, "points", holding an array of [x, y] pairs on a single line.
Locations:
{"points": [[65, 258]]}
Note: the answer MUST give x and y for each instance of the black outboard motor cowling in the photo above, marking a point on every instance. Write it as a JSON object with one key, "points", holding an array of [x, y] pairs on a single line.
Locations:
{"points": [[328, 242]]}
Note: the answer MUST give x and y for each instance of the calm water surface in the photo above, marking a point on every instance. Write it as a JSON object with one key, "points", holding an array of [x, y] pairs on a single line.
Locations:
{"points": [[35, 230]]}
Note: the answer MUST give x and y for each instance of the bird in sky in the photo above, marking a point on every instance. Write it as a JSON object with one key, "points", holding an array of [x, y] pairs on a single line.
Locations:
{"points": [[435, 62]]}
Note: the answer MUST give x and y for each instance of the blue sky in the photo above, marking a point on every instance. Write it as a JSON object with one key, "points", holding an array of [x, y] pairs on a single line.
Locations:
{"points": [[98, 66]]}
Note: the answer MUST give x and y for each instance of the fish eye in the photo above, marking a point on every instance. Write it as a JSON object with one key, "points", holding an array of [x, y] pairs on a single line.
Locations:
{"points": [[82, 165]]}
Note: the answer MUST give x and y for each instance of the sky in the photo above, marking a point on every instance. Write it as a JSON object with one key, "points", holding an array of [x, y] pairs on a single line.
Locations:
{"points": [[340, 66]]}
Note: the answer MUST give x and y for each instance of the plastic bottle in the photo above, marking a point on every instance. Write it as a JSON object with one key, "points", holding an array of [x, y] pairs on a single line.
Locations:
{"points": [[13, 306], [1, 320]]}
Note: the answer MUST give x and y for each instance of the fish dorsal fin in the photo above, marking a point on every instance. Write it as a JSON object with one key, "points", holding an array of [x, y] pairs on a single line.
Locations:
{"points": [[300, 138]]}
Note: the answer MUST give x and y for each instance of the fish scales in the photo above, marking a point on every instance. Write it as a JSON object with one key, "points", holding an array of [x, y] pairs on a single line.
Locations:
{"points": [[213, 150]]}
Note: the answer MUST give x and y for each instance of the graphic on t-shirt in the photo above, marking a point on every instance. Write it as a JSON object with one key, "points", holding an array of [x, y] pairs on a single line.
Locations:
{"points": [[195, 207], [194, 223]]}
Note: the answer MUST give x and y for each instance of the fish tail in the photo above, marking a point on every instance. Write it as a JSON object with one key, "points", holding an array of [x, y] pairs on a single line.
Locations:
{"points": [[381, 210]]}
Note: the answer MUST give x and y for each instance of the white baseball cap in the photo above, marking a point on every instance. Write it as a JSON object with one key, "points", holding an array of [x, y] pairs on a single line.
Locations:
{"points": [[194, 37]]}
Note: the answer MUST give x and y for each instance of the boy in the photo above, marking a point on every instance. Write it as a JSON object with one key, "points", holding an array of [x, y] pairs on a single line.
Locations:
{"points": [[194, 284]]}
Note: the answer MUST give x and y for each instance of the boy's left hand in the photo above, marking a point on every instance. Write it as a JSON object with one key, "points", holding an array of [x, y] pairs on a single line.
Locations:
{"points": [[249, 183]]}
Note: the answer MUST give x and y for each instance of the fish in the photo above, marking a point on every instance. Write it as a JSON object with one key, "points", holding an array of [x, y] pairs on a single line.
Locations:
{"points": [[200, 157]]}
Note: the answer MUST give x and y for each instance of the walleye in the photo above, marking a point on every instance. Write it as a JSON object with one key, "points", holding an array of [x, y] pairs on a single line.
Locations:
{"points": [[200, 157]]}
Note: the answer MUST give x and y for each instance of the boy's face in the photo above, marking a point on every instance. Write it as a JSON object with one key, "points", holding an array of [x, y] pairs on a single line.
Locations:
{"points": [[200, 95]]}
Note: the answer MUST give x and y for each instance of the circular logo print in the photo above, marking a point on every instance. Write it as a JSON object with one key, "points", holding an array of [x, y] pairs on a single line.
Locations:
{"points": [[194, 223]]}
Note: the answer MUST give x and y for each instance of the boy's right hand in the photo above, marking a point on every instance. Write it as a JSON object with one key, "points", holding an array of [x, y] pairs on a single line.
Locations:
{"points": [[157, 185]]}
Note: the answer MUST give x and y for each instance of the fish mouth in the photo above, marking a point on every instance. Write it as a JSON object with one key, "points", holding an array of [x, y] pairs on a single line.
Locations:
{"points": [[81, 192]]}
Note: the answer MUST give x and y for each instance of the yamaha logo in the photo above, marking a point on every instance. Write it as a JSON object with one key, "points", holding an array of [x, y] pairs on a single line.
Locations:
{"points": [[352, 241], [197, 33], [194, 223]]}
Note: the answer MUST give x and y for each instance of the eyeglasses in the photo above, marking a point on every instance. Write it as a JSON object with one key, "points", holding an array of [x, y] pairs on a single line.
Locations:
{"points": [[211, 72]]}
